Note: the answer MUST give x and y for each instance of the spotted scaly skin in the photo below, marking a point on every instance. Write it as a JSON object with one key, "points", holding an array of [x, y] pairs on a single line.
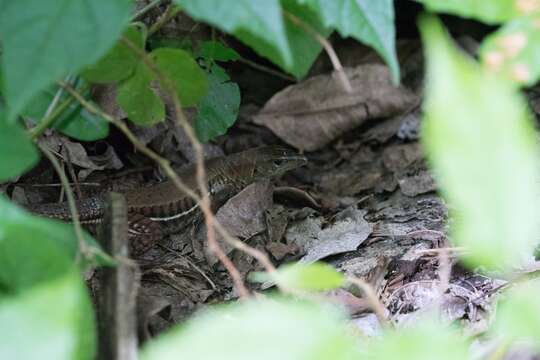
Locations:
{"points": [[162, 209]]}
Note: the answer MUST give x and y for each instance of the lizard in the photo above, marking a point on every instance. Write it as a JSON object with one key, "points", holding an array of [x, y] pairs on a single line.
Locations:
{"points": [[163, 209]]}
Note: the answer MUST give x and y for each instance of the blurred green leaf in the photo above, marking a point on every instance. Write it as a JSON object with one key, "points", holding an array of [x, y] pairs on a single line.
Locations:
{"points": [[266, 330], [480, 141], [371, 22], [17, 152], [181, 69], [156, 41], [304, 47], [53, 320], [35, 250], [425, 340], [141, 103], [518, 315], [258, 23], [75, 121], [491, 12], [120, 61], [261, 25], [45, 40], [216, 51], [514, 50], [218, 110], [317, 276]]}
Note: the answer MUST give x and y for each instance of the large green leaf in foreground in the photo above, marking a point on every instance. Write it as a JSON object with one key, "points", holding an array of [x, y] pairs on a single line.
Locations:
{"points": [[265, 330], [317, 276], [371, 22], [258, 23], [45, 308], [43, 41], [518, 315], [480, 141], [491, 12], [53, 320], [266, 27], [17, 153], [426, 339], [513, 50]]}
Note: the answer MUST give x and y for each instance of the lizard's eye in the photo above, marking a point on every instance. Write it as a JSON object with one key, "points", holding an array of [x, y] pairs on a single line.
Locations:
{"points": [[278, 163]]}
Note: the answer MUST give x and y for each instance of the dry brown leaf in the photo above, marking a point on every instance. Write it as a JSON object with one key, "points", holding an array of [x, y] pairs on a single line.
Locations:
{"points": [[311, 114]]}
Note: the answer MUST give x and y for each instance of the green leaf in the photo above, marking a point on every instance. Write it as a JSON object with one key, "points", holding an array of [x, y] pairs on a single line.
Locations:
{"points": [[317, 276], [269, 329], [260, 24], [51, 321], [513, 51], [45, 40], [17, 152], [480, 141], [371, 22], [425, 340], [140, 102], [75, 121], [218, 110], [188, 78], [34, 249], [215, 50], [491, 12], [518, 316], [156, 41], [304, 47], [120, 61], [138, 94]]}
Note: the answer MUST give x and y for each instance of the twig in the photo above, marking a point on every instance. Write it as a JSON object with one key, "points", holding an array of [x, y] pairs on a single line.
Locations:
{"points": [[145, 9], [83, 249], [455, 249], [444, 270], [327, 47], [170, 13], [266, 69], [72, 171], [372, 299], [60, 184]]}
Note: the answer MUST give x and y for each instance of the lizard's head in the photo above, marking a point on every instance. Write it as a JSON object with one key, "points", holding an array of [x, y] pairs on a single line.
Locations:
{"points": [[274, 161]]}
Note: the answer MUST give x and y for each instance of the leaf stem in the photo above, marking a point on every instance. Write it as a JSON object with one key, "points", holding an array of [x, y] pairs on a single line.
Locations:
{"points": [[327, 47]]}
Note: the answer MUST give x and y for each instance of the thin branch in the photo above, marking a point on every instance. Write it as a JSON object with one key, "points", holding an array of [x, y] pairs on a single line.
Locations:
{"points": [[170, 13], [145, 9], [372, 299], [71, 170], [83, 248], [268, 70], [327, 47]]}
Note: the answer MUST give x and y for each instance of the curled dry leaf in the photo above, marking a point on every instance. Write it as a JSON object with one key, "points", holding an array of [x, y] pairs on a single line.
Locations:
{"points": [[244, 214], [311, 114]]}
